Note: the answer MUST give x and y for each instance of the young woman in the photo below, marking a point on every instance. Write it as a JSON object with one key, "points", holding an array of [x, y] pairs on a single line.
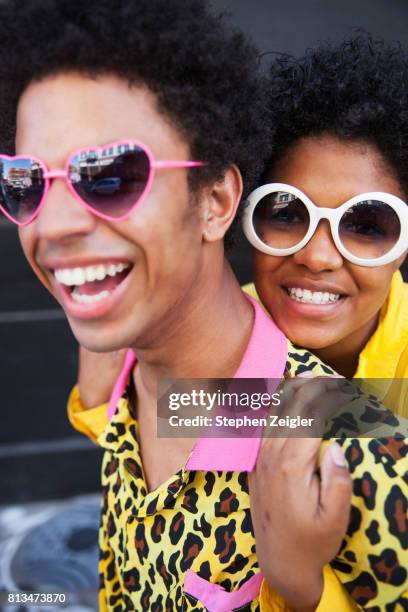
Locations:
{"points": [[330, 225]]}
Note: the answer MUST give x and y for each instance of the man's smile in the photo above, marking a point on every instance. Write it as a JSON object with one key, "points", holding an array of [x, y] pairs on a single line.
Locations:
{"points": [[90, 289], [91, 284]]}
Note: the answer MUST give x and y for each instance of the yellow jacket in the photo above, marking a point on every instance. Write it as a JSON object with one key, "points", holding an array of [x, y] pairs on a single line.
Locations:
{"points": [[385, 356]]}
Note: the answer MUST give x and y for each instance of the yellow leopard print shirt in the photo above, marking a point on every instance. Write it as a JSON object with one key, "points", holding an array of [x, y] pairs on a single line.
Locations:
{"points": [[200, 522]]}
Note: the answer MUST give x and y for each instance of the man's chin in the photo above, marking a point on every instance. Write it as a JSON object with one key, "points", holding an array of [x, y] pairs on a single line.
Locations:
{"points": [[98, 342], [102, 348], [101, 336]]}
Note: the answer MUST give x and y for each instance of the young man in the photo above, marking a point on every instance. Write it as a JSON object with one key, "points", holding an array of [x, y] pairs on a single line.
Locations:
{"points": [[137, 261]]}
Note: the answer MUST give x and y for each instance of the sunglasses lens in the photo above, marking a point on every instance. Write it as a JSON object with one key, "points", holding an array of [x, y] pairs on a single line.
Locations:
{"points": [[281, 220], [369, 229], [21, 187], [111, 180]]}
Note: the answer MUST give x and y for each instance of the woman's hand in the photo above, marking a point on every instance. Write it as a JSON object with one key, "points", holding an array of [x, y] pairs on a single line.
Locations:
{"points": [[299, 516]]}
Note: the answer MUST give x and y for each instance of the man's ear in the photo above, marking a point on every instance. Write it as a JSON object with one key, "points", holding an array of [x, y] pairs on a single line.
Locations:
{"points": [[219, 204]]}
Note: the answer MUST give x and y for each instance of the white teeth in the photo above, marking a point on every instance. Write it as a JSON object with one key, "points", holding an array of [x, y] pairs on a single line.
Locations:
{"points": [[79, 276], [100, 273], [82, 298], [75, 277], [90, 274], [312, 297]]}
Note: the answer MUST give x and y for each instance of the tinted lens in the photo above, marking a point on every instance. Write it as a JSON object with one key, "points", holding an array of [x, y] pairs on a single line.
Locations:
{"points": [[281, 220], [369, 229], [110, 180], [21, 187]]}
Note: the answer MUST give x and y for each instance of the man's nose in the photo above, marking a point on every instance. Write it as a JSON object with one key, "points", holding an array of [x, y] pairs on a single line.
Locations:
{"points": [[320, 253], [62, 216]]}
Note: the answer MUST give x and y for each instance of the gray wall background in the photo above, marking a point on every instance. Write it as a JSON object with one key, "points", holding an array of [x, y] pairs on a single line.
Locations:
{"points": [[293, 25], [40, 455]]}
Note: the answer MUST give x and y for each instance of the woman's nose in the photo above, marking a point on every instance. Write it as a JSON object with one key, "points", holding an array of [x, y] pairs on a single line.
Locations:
{"points": [[320, 253]]}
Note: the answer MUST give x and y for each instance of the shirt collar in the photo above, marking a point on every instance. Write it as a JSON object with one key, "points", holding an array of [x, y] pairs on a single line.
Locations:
{"points": [[264, 357]]}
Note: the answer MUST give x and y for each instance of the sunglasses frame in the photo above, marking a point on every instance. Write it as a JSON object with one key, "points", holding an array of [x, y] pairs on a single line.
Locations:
{"points": [[333, 215], [49, 175]]}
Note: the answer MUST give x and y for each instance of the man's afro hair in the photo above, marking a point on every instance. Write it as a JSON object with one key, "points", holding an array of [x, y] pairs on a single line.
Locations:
{"points": [[356, 90]]}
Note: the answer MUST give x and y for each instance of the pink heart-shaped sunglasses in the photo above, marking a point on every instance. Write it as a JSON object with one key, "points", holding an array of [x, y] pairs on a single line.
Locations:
{"points": [[110, 180]]}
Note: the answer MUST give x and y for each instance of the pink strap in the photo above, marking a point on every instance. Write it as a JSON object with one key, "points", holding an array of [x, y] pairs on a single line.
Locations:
{"points": [[217, 599]]}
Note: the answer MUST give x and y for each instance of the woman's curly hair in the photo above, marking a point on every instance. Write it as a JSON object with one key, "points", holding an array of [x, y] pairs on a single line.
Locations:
{"points": [[204, 74], [356, 90]]}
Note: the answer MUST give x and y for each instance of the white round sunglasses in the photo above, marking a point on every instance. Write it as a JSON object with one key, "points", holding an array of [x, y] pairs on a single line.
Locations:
{"points": [[370, 229]]}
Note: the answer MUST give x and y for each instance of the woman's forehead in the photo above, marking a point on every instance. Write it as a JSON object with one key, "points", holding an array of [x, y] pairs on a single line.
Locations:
{"points": [[330, 170]]}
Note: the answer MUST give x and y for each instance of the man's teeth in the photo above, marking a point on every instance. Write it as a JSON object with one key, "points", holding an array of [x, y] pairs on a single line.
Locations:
{"points": [[312, 297], [82, 298], [79, 276]]}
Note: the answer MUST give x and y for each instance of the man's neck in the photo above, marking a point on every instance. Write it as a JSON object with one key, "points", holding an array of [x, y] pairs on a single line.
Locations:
{"points": [[208, 339]]}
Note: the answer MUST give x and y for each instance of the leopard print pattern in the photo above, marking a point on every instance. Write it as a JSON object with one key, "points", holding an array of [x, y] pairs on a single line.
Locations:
{"points": [[200, 521]]}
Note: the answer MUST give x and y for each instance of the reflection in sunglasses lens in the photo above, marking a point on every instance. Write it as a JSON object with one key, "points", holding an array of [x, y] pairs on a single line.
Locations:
{"points": [[281, 220], [110, 180], [369, 229], [21, 187]]}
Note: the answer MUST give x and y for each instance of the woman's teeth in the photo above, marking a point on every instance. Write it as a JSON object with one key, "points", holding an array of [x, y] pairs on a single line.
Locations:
{"points": [[312, 297], [79, 276]]}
